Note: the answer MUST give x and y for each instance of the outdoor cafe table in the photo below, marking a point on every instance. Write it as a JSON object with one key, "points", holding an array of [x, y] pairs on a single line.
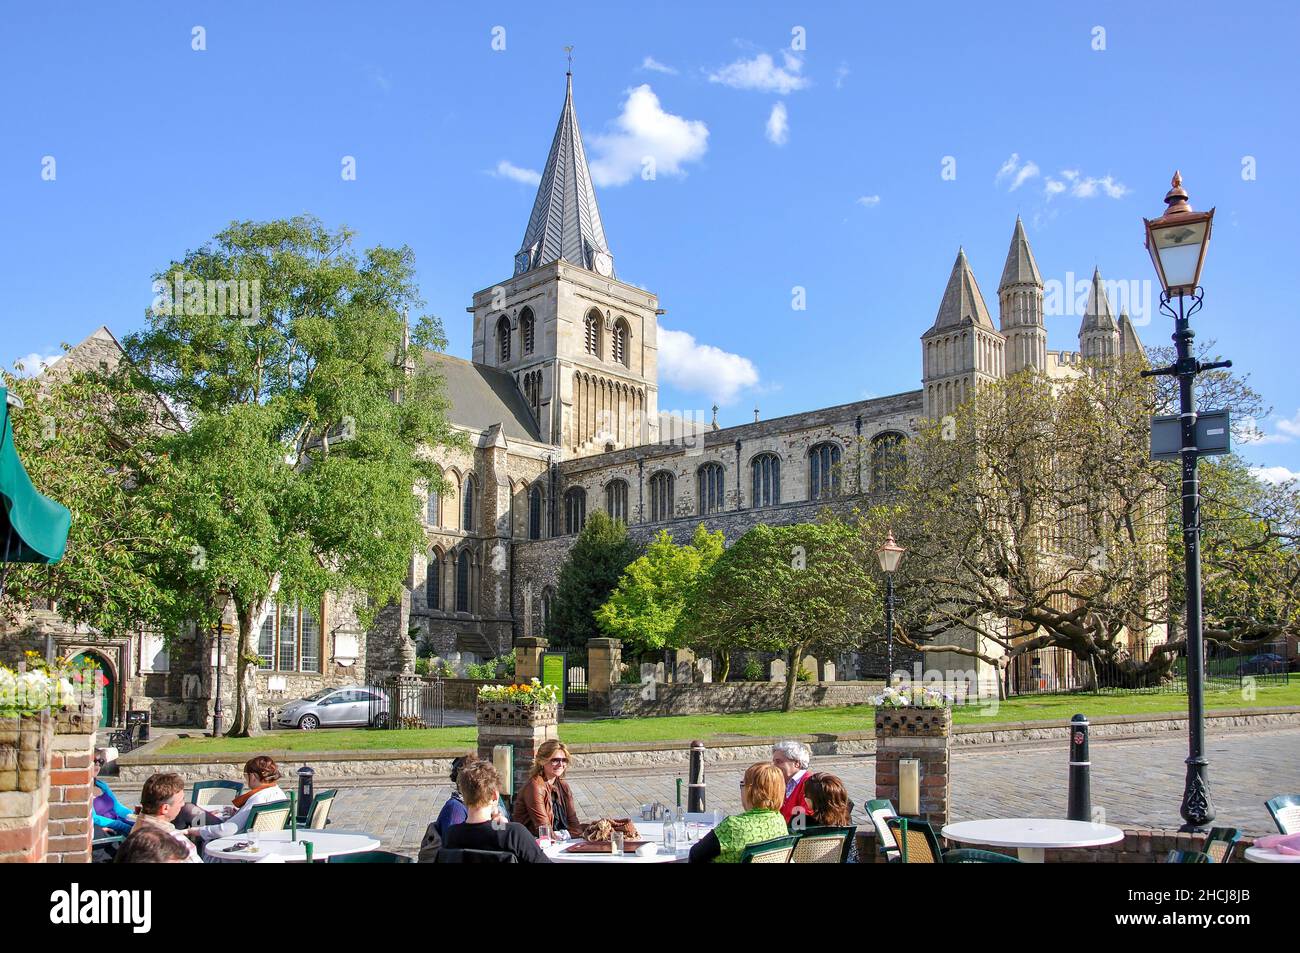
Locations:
{"points": [[1032, 836], [324, 844], [652, 831], [1266, 855]]}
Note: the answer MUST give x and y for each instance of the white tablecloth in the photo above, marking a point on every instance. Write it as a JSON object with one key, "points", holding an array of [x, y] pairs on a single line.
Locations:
{"points": [[1031, 836], [1263, 855], [324, 844], [652, 831]]}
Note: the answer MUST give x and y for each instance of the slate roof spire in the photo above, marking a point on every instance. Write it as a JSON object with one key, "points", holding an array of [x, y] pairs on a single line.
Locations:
{"points": [[1097, 316], [565, 222], [1020, 269], [962, 300]]}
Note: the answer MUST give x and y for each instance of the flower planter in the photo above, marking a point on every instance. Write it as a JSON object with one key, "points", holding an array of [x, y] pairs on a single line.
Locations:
{"points": [[512, 714], [25, 743], [913, 721]]}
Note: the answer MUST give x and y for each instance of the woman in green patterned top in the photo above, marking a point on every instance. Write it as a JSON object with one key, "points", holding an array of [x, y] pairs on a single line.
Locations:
{"points": [[761, 794]]}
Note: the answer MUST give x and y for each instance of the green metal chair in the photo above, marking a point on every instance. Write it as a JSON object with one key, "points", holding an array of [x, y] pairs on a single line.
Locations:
{"points": [[320, 809], [973, 855], [880, 810], [209, 794], [268, 817], [1285, 809], [917, 842], [371, 857], [1187, 857], [823, 845], [774, 851], [1222, 843]]}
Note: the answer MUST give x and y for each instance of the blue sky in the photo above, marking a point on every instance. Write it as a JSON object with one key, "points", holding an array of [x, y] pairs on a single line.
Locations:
{"points": [[787, 158]]}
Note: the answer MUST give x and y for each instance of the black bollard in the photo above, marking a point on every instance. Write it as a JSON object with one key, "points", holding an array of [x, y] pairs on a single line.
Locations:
{"points": [[306, 793], [695, 788], [1080, 808]]}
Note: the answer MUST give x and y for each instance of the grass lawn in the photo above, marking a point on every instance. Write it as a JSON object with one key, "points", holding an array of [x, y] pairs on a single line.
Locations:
{"points": [[719, 727]]}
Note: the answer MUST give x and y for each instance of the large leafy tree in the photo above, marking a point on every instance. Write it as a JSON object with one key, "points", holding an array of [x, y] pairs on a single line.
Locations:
{"points": [[598, 557], [644, 608], [787, 589], [298, 460]]}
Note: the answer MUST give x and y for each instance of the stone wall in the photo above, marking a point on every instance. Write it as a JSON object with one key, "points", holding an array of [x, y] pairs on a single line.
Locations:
{"points": [[697, 698]]}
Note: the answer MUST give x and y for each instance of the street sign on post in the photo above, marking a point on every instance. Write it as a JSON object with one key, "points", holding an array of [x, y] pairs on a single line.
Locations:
{"points": [[1213, 435]]}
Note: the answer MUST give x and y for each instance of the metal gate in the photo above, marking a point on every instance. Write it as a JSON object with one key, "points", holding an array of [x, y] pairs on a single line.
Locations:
{"points": [[575, 690], [407, 701]]}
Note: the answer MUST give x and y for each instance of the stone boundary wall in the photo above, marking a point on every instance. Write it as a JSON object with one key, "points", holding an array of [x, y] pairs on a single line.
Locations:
{"points": [[435, 765], [698, 698]]}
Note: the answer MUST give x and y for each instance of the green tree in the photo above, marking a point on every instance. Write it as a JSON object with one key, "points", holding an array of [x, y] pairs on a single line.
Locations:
{"points": [[592, 570], [298, 461], [787, 589], [644, 608]]}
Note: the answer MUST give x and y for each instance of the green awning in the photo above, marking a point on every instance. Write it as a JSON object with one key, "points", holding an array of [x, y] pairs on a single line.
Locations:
{"points": [[33, 528]]}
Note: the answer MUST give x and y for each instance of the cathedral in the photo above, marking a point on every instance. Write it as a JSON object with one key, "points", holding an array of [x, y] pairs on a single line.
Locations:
{"points": [[559, 402]]}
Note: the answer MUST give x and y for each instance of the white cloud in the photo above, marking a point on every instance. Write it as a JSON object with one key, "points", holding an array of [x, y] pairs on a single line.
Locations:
{"points": [[652, 64], [507, 170], [33, 364], [762, 73], [1274, 475], [1287, 430], [1290, 427], [703, 368], [841, 74], [1084, 187], [869, 201], [778, 125], [1019, 173], [644, 131]]}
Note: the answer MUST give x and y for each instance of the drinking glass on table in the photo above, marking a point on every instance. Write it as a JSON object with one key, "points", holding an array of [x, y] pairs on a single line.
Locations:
{"points": [[544, 839], [616, 843]]}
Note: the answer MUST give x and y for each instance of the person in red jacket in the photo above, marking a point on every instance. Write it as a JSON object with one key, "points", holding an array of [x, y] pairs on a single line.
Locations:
{"points": [[792, 759]]}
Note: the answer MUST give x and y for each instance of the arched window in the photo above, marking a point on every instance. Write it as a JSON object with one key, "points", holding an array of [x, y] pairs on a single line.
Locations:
{"points": [[709, 487], [616, 500], [593, 333], [535, 513], [432, 507], [468, 502], [433, 581], [463, 569], [575, 510], [503, 338], [548, 596], [766, 469], [526, 329], [888, 462], [824, 471], [661, 496], [619, 343]]}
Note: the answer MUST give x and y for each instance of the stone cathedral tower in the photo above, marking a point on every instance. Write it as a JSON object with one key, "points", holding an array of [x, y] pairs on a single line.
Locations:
{"points": [[962, 350], [1020, 306], [580, 344]]}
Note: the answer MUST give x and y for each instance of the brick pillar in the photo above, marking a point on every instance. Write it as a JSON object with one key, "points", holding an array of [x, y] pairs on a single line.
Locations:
{"points": [[528, 658], [501, 723], [25, 745], [70, 798], [924, 734], [604, 670]]}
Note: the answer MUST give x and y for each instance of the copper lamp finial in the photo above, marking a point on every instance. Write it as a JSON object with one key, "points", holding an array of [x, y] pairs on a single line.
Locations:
{"points": [[1176, 198]]}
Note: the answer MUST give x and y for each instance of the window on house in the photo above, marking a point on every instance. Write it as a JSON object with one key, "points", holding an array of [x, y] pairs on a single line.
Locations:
{"points": [[503, 339], [766, 471], [616, 500], [888, 462], [463, 569], [433, 581], [661, 496], [432, 511], [468, 493], [290, 639], [824, 471], [535, 513], [593, 333], [709, 488], [620, 342], [575, 510], [526, 329]]}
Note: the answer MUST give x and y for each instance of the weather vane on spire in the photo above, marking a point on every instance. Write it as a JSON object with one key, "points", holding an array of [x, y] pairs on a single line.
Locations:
{"points": [[568, 51]]}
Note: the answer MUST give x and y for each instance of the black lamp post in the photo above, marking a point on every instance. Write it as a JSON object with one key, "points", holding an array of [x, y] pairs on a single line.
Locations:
{"points": [[223, 598], [890, 555], [1177, 242]]}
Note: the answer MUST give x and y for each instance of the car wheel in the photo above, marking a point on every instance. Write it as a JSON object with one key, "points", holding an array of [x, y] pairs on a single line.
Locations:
{"points": [[380, 720], [308, 722]]}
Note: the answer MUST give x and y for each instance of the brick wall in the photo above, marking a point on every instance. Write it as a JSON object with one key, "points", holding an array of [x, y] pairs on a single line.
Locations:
{"points": [[70, 797]]}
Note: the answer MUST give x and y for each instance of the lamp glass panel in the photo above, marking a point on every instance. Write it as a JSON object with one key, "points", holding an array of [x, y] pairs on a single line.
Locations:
{"points": [[1179, 248]]}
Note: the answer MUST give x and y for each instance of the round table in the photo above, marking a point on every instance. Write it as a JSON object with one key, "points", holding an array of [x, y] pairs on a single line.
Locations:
{"points": [[652, 831], [1032, 836], [324, 844], [1266, 855]]}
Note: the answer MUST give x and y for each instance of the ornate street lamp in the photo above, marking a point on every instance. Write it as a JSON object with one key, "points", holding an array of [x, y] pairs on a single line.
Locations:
{"points": [[1177, 242], [890, 555]]}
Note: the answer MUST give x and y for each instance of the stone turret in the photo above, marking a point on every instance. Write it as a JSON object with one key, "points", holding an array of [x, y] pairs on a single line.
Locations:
{"points": [[1020, 306], [962, 349]]}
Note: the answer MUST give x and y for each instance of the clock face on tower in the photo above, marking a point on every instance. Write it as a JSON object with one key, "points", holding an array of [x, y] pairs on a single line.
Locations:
{"points": [[521, 262], [604, 264]]}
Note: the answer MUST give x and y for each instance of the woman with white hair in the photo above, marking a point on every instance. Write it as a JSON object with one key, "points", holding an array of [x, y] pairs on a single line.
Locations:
{"points": [[792, 759]]}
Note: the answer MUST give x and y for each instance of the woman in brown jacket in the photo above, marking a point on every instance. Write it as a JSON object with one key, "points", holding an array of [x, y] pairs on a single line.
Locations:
{"points": [[547, 798]]}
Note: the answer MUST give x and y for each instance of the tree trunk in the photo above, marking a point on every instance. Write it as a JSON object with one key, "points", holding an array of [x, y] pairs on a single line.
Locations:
{"points": [[244, 724], [724, 664], [793, 660]]}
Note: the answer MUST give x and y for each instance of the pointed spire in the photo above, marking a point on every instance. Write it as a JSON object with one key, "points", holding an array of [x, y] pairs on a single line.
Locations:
{"points": [[565, 222], [962, 301], [1097, 316], [1130, 345], [1020, 269]]}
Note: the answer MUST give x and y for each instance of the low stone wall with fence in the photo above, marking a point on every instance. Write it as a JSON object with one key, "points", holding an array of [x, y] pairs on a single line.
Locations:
{"points": [[701, 698]]}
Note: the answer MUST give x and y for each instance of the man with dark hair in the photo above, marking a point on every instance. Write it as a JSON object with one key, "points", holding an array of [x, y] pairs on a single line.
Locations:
{"points": [[150, 844], [485, 827], [161, 801]]}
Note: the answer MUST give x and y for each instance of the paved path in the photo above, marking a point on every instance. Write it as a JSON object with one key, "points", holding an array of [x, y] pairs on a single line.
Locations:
{"points": [[1137, 782]]}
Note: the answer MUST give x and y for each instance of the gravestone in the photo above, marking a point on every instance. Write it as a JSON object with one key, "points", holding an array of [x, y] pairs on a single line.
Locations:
{"points": [[778, 670], [828, 672], [705, 667], [809, 664]]}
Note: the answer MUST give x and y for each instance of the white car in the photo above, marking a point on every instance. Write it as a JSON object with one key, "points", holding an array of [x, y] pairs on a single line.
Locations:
{"points": [[347, 705]]}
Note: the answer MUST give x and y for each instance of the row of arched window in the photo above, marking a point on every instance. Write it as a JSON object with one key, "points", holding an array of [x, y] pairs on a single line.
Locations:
{"points": [[468, 514], [594, 338], [527, 335], [462, 567]]}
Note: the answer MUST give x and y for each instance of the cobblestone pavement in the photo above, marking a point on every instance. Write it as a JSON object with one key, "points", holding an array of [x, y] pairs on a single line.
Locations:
{"points": [[1137, 782]]}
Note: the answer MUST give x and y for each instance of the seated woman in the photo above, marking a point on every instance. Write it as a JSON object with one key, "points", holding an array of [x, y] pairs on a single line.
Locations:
{"points": [[546, 798], [830, 806], [111, 816], [484, 828], [761, 794], [260, 775]]}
